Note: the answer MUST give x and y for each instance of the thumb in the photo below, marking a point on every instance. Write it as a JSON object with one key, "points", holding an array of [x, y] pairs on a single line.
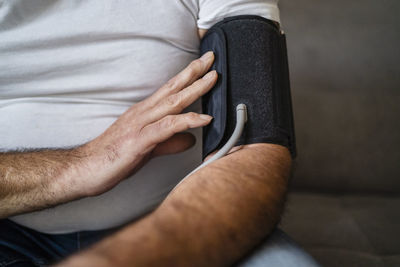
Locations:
{"points": [[175, 144]]}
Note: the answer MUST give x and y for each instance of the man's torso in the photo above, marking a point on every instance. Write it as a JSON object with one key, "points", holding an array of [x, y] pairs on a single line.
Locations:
{"points": [[68, 69]]}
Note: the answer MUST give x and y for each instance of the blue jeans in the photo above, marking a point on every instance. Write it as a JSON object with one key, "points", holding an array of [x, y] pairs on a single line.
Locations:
{"points": [[23, 247]]}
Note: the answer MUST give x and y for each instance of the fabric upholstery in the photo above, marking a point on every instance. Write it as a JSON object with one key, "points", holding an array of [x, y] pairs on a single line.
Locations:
{"points": [[346, 230], [344, 64]]}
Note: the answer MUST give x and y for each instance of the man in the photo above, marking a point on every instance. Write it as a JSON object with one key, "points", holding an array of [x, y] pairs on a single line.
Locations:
{"points": [[81, 118]]}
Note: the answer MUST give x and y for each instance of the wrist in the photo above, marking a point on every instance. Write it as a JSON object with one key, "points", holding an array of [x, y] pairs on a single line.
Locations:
{"points": [[99, 169], [83, 174], [75, 179]]}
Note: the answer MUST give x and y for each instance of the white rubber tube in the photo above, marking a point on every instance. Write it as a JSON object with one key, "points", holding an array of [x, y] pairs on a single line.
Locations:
{"points": [[241, 119]]}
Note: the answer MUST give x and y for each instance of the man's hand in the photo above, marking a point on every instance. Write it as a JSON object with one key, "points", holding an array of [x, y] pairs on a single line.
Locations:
{"points": [[38, 179], [149, 128]]}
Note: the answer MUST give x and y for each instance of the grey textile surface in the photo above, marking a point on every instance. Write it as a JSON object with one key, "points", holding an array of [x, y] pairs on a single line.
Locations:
{"points": [[346, 230], [344, 59]]}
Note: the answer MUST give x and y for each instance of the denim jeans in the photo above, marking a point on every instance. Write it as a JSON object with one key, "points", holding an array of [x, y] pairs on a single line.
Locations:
{"points": [[23, 247]]}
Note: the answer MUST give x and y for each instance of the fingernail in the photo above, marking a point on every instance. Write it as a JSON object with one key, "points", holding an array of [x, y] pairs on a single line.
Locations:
{"points": [[207, 56], [209, 75], [206, 117]]}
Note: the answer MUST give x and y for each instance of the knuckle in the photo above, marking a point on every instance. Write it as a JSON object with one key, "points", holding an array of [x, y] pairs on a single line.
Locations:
{"points": [[195, 67], [168, 122], [191, 116], [190, 72], [171, 84], [174, 101]]}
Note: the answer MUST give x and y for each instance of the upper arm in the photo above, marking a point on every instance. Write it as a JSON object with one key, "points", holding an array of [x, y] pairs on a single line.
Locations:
{"points": [[202, 32], [212, 11]]}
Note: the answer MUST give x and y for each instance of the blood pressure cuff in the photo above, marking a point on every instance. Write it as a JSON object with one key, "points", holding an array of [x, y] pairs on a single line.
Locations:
{"points": [[251, 61]]}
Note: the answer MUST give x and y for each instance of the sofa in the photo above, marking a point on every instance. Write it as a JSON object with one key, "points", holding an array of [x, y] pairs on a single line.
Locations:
{"points": [[344, 200]]}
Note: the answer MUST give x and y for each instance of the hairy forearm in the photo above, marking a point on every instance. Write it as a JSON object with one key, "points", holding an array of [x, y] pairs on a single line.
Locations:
{"points": [[211, 219], [150, 128], [35, 180]]}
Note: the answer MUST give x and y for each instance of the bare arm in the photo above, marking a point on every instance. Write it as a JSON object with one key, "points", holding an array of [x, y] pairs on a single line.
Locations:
{"points": [[202, 32], [35, 180], [212, 219], [38, 179]]}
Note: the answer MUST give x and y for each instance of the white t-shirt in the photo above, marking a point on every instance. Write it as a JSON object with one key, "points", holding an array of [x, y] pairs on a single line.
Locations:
{"points": [[69, 68]]}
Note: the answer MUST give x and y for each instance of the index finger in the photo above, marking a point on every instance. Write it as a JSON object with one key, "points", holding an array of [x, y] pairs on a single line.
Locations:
{"points": [[186, 77]]}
